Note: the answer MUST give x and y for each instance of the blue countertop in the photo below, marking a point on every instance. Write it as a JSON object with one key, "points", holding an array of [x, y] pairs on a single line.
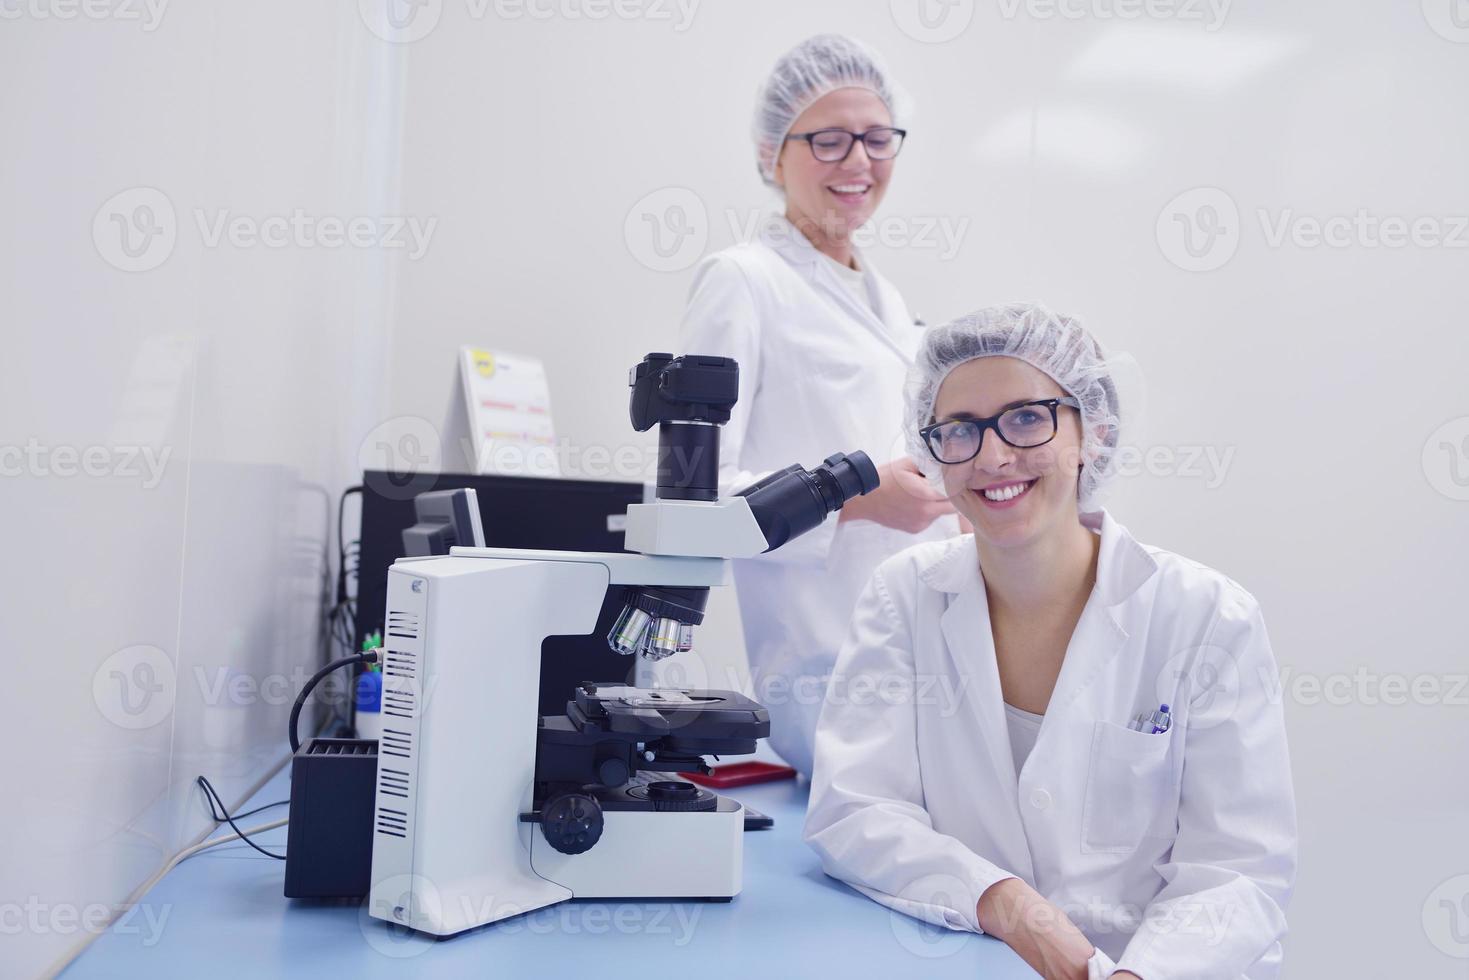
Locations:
{"points": [[223, 911]]}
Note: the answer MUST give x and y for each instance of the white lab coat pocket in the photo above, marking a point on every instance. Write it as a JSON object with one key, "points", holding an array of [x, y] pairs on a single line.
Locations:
{"points": [[1129, 789]]}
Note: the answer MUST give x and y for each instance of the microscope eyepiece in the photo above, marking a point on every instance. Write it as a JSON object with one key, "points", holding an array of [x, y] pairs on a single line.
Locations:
{"points": [[792, 501]]}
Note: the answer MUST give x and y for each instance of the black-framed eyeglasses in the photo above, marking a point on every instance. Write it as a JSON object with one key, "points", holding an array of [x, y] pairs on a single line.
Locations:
{"points": [[1022, 426], [834, 145]]}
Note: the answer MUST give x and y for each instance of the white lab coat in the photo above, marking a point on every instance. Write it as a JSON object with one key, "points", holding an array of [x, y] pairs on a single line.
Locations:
{"points": [[820, 373], [1175, 853]]}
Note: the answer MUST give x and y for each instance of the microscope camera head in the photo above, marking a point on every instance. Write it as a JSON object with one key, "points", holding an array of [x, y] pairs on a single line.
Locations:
{"points": [[689, 398]]}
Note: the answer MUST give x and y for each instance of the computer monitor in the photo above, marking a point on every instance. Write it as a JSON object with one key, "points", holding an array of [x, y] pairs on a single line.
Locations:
{"points": [[445, 518], [515, 512]]}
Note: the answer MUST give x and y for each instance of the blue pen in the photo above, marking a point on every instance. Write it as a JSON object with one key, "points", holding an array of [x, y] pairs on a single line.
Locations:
{"points": [[1162, 720]]}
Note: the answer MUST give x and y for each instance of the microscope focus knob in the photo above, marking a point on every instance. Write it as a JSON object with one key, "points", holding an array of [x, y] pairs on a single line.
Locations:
{"points": [[613, 772], [572, 822]]}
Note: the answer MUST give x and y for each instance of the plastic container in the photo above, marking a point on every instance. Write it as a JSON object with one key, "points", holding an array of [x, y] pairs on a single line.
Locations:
{"points": [[369, 718]]}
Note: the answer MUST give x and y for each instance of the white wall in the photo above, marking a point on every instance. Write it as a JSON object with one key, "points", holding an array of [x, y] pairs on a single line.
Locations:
{"points": [[1053, 147], [129, 598]]}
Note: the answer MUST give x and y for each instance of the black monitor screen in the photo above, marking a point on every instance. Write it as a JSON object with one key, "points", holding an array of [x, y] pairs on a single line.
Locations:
{"points": [[516, 512]]}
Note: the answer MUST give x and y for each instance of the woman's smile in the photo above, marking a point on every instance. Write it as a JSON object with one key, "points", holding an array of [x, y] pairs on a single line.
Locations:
{"points": [[1007, 494]]}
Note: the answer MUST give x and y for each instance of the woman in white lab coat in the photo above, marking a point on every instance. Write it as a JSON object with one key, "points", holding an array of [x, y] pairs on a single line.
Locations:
{"points": [[823, 343], [979, 761]]}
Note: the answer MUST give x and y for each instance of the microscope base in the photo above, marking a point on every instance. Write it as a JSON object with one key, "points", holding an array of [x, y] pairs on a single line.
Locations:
{"points": [[653, 855]]}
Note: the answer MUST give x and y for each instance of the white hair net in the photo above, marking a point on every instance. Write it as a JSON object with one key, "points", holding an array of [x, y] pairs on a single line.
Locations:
{"points": [[1052, 343], [816, 66]]}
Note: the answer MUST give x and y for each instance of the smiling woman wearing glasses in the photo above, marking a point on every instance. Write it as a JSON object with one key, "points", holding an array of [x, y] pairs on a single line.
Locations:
{"points": [[1106, 788], [824, 343]]}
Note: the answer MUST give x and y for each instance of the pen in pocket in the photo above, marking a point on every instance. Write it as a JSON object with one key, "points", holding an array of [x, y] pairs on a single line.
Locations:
{"points": [[1153, 722]]}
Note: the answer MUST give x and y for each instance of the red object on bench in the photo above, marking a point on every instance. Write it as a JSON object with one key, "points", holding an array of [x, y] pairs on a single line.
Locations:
{"points": [[741, 774]]}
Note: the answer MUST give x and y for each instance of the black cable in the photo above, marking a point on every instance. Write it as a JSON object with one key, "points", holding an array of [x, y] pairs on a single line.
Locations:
{"points": [[220, 818], [213, 799], [369, 657]]}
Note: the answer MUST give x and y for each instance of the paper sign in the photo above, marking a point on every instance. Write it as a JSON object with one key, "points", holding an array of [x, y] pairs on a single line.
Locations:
{"points": [[509, 408]]}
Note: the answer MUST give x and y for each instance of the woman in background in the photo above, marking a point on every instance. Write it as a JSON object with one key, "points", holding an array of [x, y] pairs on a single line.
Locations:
{"points": [[823, 343]]}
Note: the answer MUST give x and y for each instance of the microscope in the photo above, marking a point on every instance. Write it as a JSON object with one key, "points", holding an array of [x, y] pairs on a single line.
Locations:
{"points": [[483, 808]]}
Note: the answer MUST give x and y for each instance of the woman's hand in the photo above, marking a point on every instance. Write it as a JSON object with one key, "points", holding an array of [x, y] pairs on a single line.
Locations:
{"points": [[903, 499], [1038, 931]]}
